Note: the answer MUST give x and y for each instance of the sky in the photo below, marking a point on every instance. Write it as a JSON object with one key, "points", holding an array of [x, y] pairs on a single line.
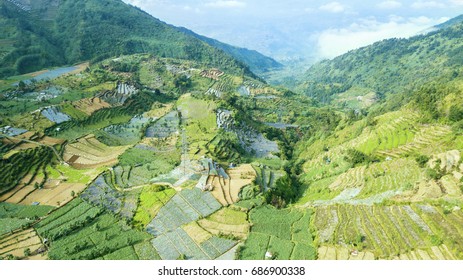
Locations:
{"points": [[294, 29]]}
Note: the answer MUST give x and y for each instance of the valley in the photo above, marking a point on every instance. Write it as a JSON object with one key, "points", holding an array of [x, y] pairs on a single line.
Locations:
{"points": [[142, 154]]}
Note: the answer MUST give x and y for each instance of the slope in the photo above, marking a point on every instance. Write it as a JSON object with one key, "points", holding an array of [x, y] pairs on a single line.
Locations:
{"points": [[55, 32], [389, 66]]}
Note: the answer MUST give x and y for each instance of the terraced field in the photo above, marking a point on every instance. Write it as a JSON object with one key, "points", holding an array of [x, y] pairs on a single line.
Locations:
{"points": [[124, 134], [200, 123], [178, 244], [226, 189], [18, 179], [21, 244], [82, 231], [88, 152], [90, 105], [185, 207], [119, 95], [102, 193], [227, 222], [225, 84], [424, 141], [164, 127], [387, 231], [282, 234], [15, 235], [151, 200]]}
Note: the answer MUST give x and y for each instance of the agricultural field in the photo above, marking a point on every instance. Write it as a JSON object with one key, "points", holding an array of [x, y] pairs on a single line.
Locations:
{"points": [[90, 105], [17, 240], [82, 231], [228, 222], [185, 207], [21, 245], [280, 234], [387, 232], [88, 152], [200, 123], [23, 173], [102, 193], [124, 134], [151, 200], [178, 244], [164, 127]]}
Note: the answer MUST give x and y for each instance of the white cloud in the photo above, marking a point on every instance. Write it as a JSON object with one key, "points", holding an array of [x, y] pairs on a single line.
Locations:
{"points": [[427, 5], [226, 4], [387, 5], [333, 7], [334, 42], [457, 2]]}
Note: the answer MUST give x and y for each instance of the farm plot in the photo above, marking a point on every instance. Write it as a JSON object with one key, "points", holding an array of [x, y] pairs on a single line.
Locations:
{"points": [[164, 127], [23, 172], [178, 244], [102, 193], [185, 207], [54, 115], [90, 105], [139, 166], [123, 134], [21, 244], [227, 222], [14, 240], [119, 95], [226, 84], [366, 185], [151, 200], [220, 189], [81, 231], [284, 234], [343, 253], [11, 131], [222, 147], [200, 123], [393, 130], [424, 142], [146, 251], [88, 152], [386, 232]]}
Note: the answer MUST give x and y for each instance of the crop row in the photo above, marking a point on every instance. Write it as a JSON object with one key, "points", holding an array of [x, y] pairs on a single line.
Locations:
{"points": [[387, 231], [183, 208]]}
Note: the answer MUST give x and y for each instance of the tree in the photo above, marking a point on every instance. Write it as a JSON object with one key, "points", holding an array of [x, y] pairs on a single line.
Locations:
{"points": [[27, 252]]}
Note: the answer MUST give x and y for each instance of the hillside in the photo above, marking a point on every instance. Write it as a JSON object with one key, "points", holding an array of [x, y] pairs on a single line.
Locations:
{"points": [[388, 67], [148, 157], [258, 63], [387, 182], [44, 33]]}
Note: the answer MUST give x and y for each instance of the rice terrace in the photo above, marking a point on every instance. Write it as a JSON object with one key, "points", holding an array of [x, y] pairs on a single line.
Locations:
{"points": [[171, 147]]}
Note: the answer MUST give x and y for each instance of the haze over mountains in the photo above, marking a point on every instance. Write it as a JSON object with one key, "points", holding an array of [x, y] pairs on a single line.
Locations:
{"points": [[302, 29], [38, 34]]}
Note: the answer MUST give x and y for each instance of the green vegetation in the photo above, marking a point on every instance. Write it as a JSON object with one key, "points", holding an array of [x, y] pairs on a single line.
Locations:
{"points": [[284, 234], [151, 200], [362, 166], [45, 37], [82, 231], [29, 162]]}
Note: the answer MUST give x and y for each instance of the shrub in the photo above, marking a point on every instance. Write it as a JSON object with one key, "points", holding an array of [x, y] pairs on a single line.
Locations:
{"points": [[422, 160]]}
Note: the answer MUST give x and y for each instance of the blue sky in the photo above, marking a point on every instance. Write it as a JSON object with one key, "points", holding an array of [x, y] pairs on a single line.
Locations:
{"points": [[293, 28]]}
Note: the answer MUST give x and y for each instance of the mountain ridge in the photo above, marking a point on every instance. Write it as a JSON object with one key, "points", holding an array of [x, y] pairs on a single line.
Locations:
{"points": [[67, 32]]}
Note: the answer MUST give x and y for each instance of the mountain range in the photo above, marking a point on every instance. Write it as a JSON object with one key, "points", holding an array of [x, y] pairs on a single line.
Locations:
{"points": [[44, 33]]}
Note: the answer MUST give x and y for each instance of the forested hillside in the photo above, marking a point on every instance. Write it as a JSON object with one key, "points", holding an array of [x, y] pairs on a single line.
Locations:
{"points": [[47, 33]]}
